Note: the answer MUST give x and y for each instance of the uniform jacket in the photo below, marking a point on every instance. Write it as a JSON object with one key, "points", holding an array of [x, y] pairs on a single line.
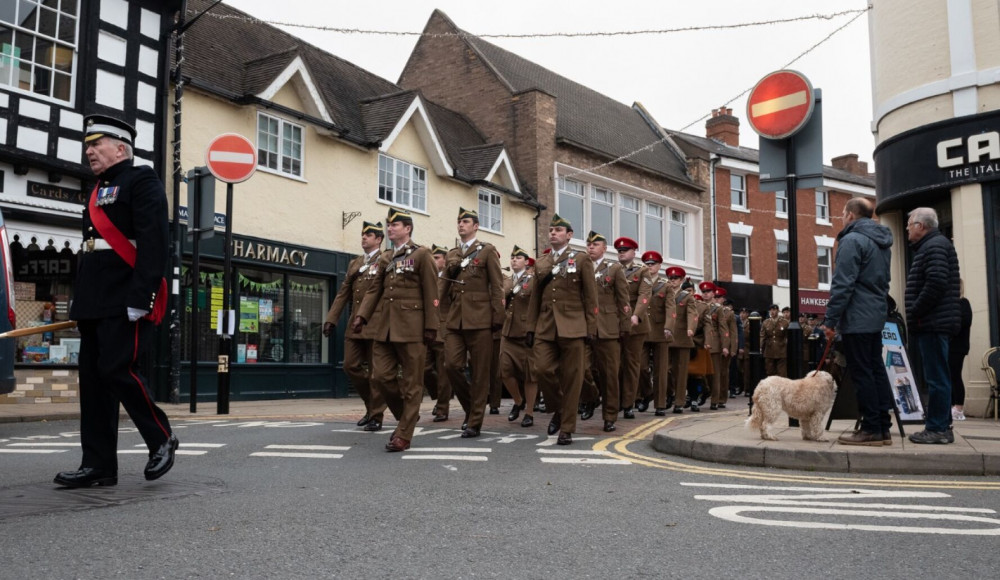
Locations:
{"points": [[685, 316], [360, 274], [106, 284], [661, 310], [860, 285], [564, 303], [728, 334], [710, 327], [932, 286], [478, 302], [774, 337], [515, 323], [639, 290], [402, 301], [612, 300], [444, 304]]}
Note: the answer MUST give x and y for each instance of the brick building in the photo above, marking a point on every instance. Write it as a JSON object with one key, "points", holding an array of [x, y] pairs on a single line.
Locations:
{"points": [[749, 228], [560, 135]]}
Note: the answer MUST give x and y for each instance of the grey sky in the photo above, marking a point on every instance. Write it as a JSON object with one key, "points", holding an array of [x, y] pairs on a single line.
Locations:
{"points": [[678, 77]]}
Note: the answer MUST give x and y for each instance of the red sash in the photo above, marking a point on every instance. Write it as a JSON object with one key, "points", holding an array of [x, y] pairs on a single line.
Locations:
{"points": [[126, 251]]}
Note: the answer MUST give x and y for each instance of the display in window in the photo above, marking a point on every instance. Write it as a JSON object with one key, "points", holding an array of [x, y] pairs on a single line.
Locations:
{"points": [[249, 315]]}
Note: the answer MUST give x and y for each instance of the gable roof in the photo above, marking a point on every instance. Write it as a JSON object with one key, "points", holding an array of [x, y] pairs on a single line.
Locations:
{"points": [[585, 117]]}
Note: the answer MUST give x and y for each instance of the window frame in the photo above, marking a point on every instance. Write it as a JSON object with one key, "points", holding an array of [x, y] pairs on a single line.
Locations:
{"points": [[781, 195], [280, 155], [823, 206], [741, 192], [497, 208], [822, 251], [745, 258], [683, 227], [16, 62], [787, 262], [415, 180]]}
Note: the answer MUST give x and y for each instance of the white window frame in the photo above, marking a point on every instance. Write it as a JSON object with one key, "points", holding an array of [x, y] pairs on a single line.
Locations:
{"points": [[778, 213], [654, 215], [609, 202], [741, 230], [579, 196], [781, 237], [682, 225], [738, 189], [744, 258], [281, 141], [824, 243], [636, 212], [399, 178], [823, 208], [10, 64], [490, 210]]}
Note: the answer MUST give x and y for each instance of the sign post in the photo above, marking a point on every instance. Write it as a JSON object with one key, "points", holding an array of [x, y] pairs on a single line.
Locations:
{"points": [[231, 158], [781, 107]]}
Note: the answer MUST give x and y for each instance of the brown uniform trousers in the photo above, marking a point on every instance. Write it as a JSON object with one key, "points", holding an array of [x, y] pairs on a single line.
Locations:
{"points": [[639, 291], [601, 377], [515, 357], [476, 308], [496, 385], [562, 313], [713, 343], [435, 376], [685, 316], [399, 306], [774, 345], [358, 348], [657, 347], [729, 339]]}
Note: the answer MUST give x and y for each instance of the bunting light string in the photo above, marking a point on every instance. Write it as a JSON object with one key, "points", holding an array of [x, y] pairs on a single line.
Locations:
{"points": [[595, 33]]}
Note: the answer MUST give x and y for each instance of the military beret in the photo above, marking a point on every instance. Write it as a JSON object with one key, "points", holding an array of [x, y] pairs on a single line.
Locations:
{"points": [[706, 286], [720, 292], [438, 250], [676, 272], [596, 237], [624, 243], [398, 215], [520, 252], [97, 126], [772, 307]]}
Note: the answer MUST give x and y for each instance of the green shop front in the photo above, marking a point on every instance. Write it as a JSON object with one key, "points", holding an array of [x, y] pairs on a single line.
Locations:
{"points": [[280, 293]]}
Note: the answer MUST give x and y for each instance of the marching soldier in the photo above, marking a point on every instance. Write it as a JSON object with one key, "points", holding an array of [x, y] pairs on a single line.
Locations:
{"points": [[564, 291], [713, 341], [361, 272], [516, 359], [729, 340], [774, 343], [685, 319], [474, 286], [661, 331], [639, 291], [435, 375], [402, 306], [612, 327]]}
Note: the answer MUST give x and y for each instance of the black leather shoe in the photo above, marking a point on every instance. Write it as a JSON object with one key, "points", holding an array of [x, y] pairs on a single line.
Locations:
{"points": [[609, 426], [642, 405], [374, 425], [701, 400], [588, 411], [564, 439], [494, 411], [470, 433], [85, 477], [554, 423], [440, 418], [629, 414], [670, 401], [528, 421], [162, 459], [713, 407], [364, 420], [661, 412], [687, 402], [538, 407], [722, 405], [465, 423], [678, 410], [694, 407], [515, 412]]}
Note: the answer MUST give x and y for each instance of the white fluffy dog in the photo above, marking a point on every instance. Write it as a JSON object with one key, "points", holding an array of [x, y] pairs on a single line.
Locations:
{"points": [[809, 400]]}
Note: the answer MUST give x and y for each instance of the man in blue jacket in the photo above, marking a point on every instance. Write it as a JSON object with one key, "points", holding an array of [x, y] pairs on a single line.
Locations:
{"points": [[857, 308], [933, 316]]}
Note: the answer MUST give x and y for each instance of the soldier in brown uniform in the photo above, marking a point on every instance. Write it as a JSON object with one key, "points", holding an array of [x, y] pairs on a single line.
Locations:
{"points": [[639, 291], [774, 343], [474, 285], [563, 315], [516, 357], [713, 340], [743, 357], [661, 331], [685, 319], [613, 326], [358, 347], [730, 344], [402, 306], [435, 376]]}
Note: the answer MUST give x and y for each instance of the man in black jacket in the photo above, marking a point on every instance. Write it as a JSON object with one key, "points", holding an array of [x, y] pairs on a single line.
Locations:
{"points": [[114, 303], [933, 317]]}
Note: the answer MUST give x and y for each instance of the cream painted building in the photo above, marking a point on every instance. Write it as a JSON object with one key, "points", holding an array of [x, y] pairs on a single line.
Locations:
{"points": [[936, 103]]}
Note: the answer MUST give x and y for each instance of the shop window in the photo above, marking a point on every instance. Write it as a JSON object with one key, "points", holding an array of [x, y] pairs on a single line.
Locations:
{"points": [[306, 307], [209, 299], [260, 332], [43, 269]]}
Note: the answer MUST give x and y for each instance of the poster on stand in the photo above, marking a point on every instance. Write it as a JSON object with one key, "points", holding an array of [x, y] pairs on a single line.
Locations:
{"points": [[897, 367]]}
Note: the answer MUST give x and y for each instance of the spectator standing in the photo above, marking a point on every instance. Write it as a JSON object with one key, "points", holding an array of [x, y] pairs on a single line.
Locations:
{"points": [[957, 351]]}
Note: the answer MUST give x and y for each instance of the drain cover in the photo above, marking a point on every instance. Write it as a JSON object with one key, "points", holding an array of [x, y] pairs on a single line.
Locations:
{"points": [[43, 498]]}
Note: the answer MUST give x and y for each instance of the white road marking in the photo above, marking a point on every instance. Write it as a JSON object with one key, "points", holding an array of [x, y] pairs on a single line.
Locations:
{"points": [[297, 455], [586, 460], [209, 445], [553, 438], [449, 457], [573, 452], [449, 450], [145, 452], [33, 450], [68, 444], [311, 447]]}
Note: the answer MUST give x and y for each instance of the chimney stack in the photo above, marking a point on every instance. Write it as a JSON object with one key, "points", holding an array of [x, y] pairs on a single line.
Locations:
{"points": [[723, 126], [850, 164]]}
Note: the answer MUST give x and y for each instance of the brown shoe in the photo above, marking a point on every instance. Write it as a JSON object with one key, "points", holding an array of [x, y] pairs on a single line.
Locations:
{"points": [[440, 418], [886, 437], [564, 438], [397, 444], [860, 437]]}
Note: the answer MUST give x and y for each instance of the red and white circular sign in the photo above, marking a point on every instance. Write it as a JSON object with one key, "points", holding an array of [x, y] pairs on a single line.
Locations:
{"points": [[780, 104], [231, 158]]}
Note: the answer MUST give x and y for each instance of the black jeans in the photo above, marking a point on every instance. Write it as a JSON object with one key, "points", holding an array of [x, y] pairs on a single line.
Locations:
{"points": [[871, 383]]}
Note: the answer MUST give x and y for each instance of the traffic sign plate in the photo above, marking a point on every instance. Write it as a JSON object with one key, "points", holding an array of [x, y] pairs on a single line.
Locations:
{"points": [[780, 104], [231, 158]]}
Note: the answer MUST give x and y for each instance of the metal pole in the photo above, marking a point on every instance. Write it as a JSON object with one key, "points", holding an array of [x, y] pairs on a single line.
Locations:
{"points": [[225, 341], [176, 255], [194, 215], [794, 353]]}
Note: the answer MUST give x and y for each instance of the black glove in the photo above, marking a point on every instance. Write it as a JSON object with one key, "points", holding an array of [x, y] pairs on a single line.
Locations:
{"points": [[529, 339], [454, 271], [327, 328], [429, 335], [588, 339]]}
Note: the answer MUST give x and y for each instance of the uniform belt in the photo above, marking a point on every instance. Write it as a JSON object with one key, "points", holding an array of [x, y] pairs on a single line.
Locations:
{"points": [[93, 245]]}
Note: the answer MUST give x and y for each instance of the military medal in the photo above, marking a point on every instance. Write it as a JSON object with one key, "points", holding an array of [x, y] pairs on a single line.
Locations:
{"points": [[363, 268], [516, 289], [107, 195], [465, 262], [571, 266], [556, 268]]}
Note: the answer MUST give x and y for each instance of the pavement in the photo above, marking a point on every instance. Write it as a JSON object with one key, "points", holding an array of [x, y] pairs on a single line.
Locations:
{"points": [[712, 436]]}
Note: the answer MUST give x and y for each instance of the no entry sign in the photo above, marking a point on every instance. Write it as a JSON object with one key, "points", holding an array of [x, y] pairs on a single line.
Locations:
{"points": [[780, 105], [231, 158]]}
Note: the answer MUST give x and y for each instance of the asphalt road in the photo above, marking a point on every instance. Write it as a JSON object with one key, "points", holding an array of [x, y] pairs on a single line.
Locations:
{"points": [[280, 499]]}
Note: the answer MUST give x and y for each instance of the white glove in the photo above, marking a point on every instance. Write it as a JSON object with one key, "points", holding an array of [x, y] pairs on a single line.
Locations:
{"points": [[135, 313]]}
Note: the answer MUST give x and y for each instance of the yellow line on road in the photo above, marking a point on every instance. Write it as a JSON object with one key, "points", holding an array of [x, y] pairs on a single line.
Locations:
{"points": [[618, 447]]}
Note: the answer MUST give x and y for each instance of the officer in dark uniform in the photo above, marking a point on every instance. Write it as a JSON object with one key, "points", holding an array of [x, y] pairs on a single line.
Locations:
{"points": [[117, 305]]}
